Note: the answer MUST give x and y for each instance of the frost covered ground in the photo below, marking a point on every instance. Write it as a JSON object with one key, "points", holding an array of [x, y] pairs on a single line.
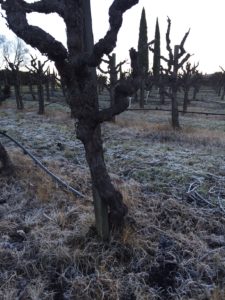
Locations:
{"points": [[173, 244]]}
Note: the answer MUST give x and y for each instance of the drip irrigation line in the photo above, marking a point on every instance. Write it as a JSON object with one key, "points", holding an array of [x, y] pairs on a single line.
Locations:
{"points": [[157, 109], [169, 110], [56, 178]]}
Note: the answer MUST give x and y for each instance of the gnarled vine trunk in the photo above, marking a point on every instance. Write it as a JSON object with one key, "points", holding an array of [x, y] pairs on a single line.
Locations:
{"points": [[76, 66]]}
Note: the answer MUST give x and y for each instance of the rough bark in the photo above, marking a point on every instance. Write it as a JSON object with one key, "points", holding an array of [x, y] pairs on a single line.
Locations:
{"points": [[99, 174], [6, 164], [76, 67]]}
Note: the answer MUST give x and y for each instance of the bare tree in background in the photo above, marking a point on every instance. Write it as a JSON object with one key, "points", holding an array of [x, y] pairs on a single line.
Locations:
{"points": [[197, 82], [4, 86], [15, 57], [37, 68], [76, 65], [102, 83], [113, 70], [176, 59], [187, 79]]}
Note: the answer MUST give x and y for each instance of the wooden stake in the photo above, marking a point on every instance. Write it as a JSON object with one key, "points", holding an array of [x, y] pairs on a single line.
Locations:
{"points": [[101, 216]]}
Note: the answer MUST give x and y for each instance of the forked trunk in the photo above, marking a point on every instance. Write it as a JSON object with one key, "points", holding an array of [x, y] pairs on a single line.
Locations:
{"points": [[76, 65], [108, 204], [83, 99]]}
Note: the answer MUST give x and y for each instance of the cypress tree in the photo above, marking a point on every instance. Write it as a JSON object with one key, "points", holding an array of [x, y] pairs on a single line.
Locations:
{"points": [[142, 43], [156, 58]]}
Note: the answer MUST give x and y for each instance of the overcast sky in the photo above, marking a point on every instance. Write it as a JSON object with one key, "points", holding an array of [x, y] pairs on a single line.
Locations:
{"points": [[205, 18]]}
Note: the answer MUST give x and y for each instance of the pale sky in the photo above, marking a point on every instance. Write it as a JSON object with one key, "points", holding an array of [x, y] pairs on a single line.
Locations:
{"points": [[205, 18]]}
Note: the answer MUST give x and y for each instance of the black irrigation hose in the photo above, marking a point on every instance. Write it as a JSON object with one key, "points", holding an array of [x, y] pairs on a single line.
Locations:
{"points": [[56, 178]]}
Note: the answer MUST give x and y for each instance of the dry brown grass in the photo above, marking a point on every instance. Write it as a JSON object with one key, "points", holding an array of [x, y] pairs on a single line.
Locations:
{"points": [[170, 248], [57, 115], [139, 124], [164, 132], [50, 252]]}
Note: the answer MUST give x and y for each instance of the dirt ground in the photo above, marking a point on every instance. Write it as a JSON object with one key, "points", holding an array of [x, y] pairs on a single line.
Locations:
{"points": [[173, 243]]}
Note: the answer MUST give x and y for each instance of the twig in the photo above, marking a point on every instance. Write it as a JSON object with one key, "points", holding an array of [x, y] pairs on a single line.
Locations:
{"points": [[6, 282], [49, 218], [215, 176], [191, 188]]}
